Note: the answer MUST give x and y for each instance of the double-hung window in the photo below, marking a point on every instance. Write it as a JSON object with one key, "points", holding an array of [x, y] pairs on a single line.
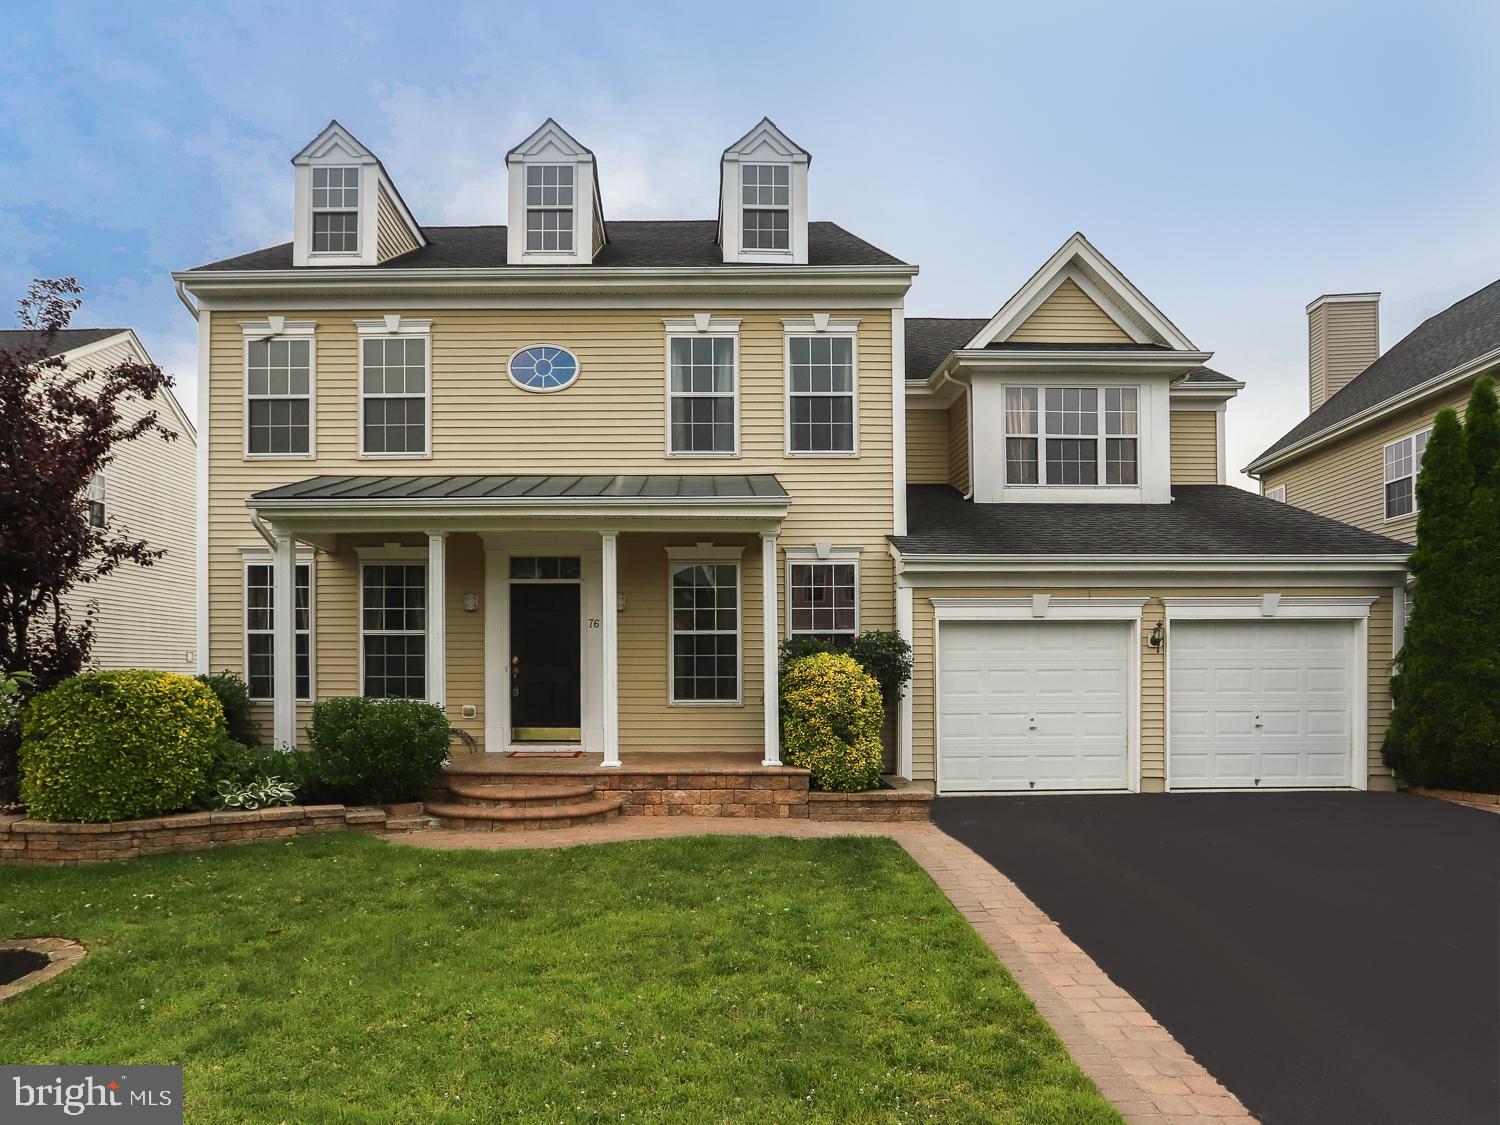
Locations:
{"points": [[335, 210], [393, 629], [823, 598], [705, 631], [702, 393], [549, 207], [1072, 436], [278, 395], [1403, 464], [260, 629], [395, 373], [98, 516], [821, 382], [766, 204]]}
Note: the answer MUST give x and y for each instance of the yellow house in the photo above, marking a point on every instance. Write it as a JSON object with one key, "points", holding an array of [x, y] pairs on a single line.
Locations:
{"points": [[575, 479], [1357, 454]]}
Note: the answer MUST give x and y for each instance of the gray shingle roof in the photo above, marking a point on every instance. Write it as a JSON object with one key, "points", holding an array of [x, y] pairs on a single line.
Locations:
{"points": [[930, 339], [1203, 519], [17, 339], [1460, 333], [528, 488], [664, 243]]}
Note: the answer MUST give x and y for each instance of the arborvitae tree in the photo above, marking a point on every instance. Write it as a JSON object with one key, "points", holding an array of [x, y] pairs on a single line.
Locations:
{"points": [[1477, 755], [1482, 432], [1433, 689]]}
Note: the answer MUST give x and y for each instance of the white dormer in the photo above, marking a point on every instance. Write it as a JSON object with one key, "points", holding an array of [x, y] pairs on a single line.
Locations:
{"points": [[348, 212], [763, 198], [554, 214]]}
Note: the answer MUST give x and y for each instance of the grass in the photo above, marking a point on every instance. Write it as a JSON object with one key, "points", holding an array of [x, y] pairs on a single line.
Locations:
{"points": [[341, 978]]}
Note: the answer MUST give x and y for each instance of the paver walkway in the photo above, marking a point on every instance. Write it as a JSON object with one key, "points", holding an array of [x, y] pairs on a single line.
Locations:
{"points": [[1133, 1060]]}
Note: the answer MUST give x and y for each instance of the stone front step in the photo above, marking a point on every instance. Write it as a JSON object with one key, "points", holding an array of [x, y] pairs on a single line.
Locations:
{"points": [[500, 796], [416, 823], [521, 818]]}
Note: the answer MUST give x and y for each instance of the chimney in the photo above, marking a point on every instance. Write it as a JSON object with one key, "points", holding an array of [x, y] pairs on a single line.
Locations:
{"points": [[1343, 338]]}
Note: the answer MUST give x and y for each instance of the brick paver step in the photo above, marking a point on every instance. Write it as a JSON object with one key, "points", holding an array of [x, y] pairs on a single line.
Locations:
{"points": [[519, 796], [485, 818]]}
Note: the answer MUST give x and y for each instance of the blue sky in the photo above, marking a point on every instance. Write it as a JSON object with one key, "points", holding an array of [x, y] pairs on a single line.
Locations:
{"points": [[1234, 159]]}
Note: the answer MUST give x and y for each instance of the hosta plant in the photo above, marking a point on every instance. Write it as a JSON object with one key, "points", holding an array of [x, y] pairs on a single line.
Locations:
{"points": [[258, 793]]}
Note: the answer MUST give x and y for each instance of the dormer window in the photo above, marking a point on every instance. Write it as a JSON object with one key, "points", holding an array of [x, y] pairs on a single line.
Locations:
{"points": [[549, 207], [335, 210], [766, 196], [1081, 436]]}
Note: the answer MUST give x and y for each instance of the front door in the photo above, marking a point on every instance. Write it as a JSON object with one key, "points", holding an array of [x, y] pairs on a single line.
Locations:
{"points": [[545, 682]]}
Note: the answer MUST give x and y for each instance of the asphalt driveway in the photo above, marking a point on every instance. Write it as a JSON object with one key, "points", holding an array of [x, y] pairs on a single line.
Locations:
{"points": [[1329, 957]]}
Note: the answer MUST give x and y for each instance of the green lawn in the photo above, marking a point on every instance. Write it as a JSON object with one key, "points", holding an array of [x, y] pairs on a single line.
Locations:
{"points": [[341, 978]]}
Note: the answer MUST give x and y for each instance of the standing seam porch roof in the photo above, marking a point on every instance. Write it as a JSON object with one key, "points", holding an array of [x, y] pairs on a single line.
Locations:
{"points": [[561, 487]]}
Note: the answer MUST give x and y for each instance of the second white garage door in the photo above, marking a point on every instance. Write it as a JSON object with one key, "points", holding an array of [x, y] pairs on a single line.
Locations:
{"points": [[1260, 704], [1032, 705]]}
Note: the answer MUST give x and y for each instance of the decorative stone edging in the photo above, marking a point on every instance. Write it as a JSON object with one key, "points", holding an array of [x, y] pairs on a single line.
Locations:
{"points": [[878, 805], [41, 843], [1490, 802], [62, 955]]}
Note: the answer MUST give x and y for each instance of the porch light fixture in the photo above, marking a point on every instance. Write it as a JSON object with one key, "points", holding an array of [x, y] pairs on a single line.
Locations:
{"points": [[1158, 635], [471, 602]]}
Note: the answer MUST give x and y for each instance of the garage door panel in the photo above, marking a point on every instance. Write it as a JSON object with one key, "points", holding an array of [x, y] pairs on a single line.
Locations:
{"points": [[1260, 703], [1048, 709]]}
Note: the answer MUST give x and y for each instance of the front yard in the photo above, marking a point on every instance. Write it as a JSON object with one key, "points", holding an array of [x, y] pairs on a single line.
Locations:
{"points": [[344, 978]]}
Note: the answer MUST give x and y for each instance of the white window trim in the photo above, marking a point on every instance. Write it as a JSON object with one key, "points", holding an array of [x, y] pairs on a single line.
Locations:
{"points": [[358, 209], [680, 558], [96, 492], [1416, 473], [688, 327], [822, 553], [819, 324], [1278, 494], [274, 328], [254, 556], [791, 174], [1101, 438], [527, 209], [577, 369], [377, 556], [393, 324]]}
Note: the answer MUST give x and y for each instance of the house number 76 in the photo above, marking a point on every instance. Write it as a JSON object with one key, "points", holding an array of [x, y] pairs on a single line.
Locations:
{"points": [[593, 623]]}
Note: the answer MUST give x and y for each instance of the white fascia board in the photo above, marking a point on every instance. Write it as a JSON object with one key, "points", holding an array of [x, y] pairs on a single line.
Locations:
{"points": [[968, 361], [1470, 370], [1113, 569], [1205, 392]]}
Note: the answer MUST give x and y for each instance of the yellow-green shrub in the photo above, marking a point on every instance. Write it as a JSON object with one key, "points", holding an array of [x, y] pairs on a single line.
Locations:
{"points": [[831, 716], [117, 745]]}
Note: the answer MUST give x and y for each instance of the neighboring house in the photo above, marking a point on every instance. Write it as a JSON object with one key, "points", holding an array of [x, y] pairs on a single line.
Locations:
{"points": [[626, 459], [144, 617], [1356, 456]]}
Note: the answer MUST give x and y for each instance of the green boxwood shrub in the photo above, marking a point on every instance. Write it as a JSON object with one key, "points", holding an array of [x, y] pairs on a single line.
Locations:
{"points": [[831, 716], [375, 751], [234, 697], [118, 745]]}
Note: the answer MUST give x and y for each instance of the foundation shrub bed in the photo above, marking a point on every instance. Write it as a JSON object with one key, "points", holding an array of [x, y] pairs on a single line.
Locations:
{"points": [[118, 745], [374, 751]]}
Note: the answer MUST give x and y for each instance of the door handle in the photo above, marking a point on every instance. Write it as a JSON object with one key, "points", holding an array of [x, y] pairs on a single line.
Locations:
{"points": [[1258, 723], [515, 667]]}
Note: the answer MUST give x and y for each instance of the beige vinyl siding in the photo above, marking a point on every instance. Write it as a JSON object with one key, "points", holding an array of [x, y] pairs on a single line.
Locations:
{"points": [[147, 616], [1195, 446], [1070, 316], [1153, 667], [1345, 480], [613, 420], [927, 449], [392, 236], [1343, 338], [958, 444]]}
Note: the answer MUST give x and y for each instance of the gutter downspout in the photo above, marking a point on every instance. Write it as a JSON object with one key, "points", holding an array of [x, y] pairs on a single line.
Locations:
{"points": [[260, 526], [186, 301]]}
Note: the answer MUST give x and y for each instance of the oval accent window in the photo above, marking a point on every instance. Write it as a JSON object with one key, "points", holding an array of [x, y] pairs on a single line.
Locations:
{"points": [[543, 367]]}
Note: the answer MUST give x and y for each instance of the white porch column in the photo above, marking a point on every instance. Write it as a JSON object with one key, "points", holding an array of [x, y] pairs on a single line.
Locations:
{"points": [[437, 618], [904, 622], [284, 640], [609, 623], [769, 633]]}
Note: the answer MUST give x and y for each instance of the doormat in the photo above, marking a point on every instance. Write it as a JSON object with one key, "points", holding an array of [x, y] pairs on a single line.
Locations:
{"points": [[544, 754]]}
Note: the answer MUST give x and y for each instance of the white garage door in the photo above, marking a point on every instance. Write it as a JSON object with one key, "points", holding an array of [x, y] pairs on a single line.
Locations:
{"points": [[1032, 705], [1260, 704]]}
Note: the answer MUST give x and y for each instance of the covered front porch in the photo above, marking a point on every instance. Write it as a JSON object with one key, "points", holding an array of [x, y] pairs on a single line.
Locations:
{"points": [[568, 620]]}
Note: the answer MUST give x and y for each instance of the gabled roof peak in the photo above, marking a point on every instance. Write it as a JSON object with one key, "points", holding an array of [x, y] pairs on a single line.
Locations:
{"points": [[765, 135], [1079, 261], [550, 135], [333, 139]]}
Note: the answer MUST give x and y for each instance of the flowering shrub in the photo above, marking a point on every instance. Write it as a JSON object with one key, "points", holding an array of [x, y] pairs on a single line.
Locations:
{"points": [[257, 793], [831, 716], [117, 745]]}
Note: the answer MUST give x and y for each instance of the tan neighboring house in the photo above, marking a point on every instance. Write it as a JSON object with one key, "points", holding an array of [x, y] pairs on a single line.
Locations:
{"points": [[1357, 454], [144, 617], [574, 479]]}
